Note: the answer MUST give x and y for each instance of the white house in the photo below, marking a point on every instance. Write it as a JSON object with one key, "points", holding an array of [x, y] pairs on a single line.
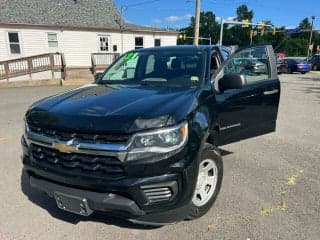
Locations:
{"points": [[85, 31]]}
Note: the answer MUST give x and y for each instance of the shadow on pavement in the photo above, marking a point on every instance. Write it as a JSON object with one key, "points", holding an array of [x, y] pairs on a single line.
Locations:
{"points": [[225, 152], [49, 204]]}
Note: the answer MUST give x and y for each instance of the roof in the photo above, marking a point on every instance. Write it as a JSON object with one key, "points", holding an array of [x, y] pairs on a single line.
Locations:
{"points": [[179, 48], [97, 14]]}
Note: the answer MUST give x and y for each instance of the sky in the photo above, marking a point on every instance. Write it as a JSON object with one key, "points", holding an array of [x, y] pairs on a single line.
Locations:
{"points": [[177, 13]]}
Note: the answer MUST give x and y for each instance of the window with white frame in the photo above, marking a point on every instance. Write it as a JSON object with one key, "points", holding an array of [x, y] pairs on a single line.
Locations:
{"points": [[52, 40], [138, 42], [104, 43], [14, 42]]}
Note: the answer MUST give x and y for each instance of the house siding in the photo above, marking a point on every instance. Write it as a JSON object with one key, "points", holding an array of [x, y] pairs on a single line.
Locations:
{"points": [[76, 45], [3, 46]]}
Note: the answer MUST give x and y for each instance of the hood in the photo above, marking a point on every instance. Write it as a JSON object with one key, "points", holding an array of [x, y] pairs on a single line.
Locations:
{"points": [[114, 108]]}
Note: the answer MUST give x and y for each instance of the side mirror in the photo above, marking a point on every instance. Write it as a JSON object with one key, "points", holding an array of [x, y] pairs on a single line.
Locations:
{"points": [[231, 81], [98, 76]]}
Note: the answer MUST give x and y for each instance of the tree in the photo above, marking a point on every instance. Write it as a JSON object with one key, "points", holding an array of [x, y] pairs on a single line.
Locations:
{"points": [[305, 24], [239, 35], [208, 28], [243, 13], [292, 45]]}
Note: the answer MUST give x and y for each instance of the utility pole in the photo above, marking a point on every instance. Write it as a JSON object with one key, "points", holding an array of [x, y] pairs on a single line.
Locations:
{"points": [[310, 41], [197, 24], [123, 8]]}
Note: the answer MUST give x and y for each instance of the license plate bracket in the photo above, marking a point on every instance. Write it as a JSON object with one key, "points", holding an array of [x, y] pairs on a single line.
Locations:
{"points": [[73, 204]]}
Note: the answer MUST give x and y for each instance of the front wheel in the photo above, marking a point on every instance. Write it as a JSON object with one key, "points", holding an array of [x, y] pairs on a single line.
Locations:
{"points": [[208, 182]]}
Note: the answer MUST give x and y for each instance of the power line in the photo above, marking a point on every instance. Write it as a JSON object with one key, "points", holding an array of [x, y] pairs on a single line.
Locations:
{"points": [[126, 6]]}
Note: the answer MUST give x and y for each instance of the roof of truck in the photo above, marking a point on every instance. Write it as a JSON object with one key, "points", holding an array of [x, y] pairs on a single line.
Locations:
{"points": [[180, 47]]}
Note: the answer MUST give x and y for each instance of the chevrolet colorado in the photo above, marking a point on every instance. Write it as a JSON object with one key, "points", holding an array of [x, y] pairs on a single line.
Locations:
{"points": [[142, 141]]}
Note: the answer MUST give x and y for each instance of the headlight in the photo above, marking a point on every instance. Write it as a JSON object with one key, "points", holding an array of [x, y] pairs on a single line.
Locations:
{"points": [[164, 142], [26, 129]]}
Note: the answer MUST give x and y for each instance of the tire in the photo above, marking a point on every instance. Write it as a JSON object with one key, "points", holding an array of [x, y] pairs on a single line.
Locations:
{"points": [[209, 157], [315, 68], [303, 72]]}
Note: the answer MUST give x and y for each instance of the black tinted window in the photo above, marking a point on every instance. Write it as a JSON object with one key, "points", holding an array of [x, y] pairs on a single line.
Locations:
{"points": [[13, 37], [138, 42]]}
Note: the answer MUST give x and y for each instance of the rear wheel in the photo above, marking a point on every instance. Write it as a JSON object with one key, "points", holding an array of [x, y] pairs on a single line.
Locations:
{"points": [[289, 70], [315, 68], [208, 182], [303, 72]]}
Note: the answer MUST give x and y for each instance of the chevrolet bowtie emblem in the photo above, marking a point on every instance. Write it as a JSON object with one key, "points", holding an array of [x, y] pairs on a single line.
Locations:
{"points": [[64, 147]]}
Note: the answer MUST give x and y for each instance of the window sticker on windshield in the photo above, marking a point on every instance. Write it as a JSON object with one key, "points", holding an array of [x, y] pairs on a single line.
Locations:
{"points": [[195, 78], [130, 55]]}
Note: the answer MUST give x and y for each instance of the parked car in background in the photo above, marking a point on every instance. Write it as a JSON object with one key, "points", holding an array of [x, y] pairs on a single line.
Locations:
{"points": [[315, 62], [297, 65], [281, 56], [255, 66], [282, 66]]}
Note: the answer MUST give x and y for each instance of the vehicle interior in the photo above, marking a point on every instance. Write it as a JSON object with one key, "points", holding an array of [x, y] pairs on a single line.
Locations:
{"points": [[252, 64], [183, 69]]}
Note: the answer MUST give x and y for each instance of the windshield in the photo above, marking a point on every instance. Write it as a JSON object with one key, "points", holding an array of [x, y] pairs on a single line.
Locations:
{"points": [[167, 67]]}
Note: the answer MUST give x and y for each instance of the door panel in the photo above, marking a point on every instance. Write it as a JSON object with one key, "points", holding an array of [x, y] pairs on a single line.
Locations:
{"points": [[251, 110]]}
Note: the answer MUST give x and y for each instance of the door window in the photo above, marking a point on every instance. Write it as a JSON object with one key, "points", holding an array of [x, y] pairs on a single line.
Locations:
{"points": [[214, 64], [251, 63]]}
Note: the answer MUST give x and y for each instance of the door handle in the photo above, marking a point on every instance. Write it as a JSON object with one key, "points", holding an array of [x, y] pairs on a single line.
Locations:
{"points": [[271, 92]]}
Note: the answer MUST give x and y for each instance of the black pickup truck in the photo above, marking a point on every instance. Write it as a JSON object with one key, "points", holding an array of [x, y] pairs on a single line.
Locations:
{"points": [[142, 141]]}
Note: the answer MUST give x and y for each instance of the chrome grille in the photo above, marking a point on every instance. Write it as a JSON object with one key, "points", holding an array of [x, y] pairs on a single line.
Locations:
{"points": [[85, 137]]}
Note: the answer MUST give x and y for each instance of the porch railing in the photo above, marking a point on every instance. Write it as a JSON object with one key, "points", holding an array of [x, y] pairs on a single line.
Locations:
{"points": [[33, 64], [100, 61]]}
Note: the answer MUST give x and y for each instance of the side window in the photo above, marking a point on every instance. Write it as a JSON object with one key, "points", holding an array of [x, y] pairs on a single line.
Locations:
{"points": [[214, 64], [52, 40], [150, 64], [225, 54], [157, 42], [252, 64], [138, 42], [14, 42], [104, 44]]}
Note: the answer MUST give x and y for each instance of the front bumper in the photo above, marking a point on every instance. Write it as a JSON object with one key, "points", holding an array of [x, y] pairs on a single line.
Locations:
{"points": [[127, 197], [112, 204]]}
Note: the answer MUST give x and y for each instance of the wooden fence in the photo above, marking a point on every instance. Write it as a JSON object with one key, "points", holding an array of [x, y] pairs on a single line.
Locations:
{"points": [[33, 64], [100, 61]]}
